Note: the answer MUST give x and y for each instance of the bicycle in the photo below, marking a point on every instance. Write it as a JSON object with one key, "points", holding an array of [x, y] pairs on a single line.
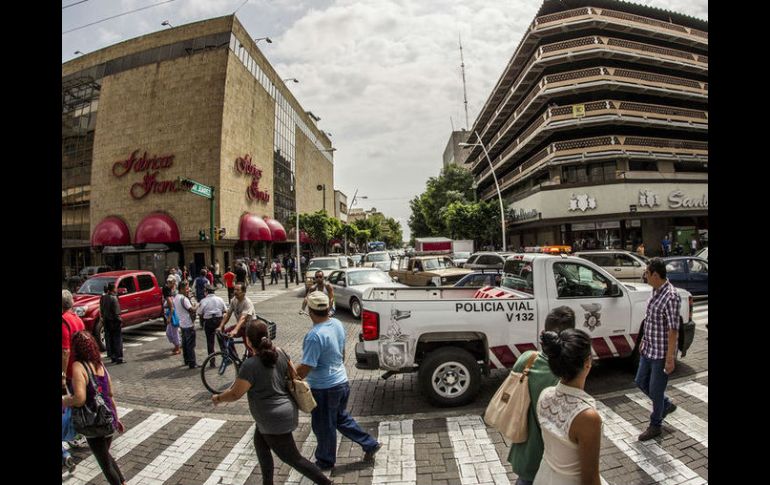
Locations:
{"points": [[219, 377]]}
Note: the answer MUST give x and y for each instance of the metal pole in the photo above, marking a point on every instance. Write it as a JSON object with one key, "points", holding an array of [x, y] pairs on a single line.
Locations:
{"points": [[499, 196], [211, 223]]}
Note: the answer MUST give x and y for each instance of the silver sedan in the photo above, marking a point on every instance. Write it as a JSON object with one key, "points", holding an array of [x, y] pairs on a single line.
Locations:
{"points": [[350, 284]]}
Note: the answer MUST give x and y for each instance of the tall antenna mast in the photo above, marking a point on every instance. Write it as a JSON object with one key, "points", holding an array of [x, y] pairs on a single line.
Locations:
{"points": [[465, 94]]}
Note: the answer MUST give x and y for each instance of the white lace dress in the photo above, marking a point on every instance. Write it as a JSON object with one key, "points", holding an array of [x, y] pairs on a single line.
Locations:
{"points": [[556, 408]]}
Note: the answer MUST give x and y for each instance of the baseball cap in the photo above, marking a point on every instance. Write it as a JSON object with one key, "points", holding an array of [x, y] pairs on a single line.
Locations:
{"points": [[318, 300]]}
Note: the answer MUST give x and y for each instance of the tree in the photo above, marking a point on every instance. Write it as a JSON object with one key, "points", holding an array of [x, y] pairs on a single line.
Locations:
{"points": [[417, 224], [318, 227], [454, 184]]}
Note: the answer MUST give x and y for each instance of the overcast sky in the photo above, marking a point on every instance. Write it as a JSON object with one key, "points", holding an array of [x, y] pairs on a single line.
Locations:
{"points": [[383, 75]]}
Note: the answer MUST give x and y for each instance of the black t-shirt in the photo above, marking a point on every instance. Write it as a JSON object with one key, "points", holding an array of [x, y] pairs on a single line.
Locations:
{"points": [[240, 274]]}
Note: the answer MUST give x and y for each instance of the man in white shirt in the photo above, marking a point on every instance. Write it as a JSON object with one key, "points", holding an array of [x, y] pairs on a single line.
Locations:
{"points": [[211, 309], [185, 311]]}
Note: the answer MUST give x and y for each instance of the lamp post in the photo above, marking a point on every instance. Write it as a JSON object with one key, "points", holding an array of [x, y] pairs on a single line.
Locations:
{"points": [[266, 39], [293, 79], [355, 194], [166, 23], [322, 187], [497, 186]]}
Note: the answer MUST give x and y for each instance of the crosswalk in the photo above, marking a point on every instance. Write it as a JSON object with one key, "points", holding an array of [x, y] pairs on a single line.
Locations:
{"points": [[700, 314], [163, 448]]}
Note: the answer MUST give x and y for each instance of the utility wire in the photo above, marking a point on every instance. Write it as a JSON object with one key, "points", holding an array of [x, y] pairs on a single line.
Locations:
{"points": [[73, 4], [115, 16], [244, 3]]}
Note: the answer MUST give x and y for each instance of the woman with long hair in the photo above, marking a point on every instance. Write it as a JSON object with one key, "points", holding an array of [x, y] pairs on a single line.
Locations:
{"points": [[572, 428], [88, 358], [263, 377]]}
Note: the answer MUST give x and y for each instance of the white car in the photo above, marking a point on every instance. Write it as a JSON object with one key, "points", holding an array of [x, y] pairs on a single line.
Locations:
{"points": [[378, 259], [703, 253], [350, 284], [623, 265], [486, 260], [460, 258]]}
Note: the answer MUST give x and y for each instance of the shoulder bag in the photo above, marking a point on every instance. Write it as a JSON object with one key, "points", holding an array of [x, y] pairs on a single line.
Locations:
{"points": [[507, 411], [298, 388], [94, 420]]}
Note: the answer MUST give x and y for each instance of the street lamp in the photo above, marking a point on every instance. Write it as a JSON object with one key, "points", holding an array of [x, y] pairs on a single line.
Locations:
{"points": [[294, 79], [166, 23], [497, 186], [266, 39], [79, 53], [320, 187]]}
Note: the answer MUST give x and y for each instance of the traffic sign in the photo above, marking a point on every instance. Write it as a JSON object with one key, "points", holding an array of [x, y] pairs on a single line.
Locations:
{"points": [[202, 190]]}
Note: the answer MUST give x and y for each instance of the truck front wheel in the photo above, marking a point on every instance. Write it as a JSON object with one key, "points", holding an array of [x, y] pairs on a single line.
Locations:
{"points": [[99, 335], [450, 377]]}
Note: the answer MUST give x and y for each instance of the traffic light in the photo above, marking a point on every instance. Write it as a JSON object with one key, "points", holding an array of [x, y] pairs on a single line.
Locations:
{"points": [[222, 232], [201, 235]]}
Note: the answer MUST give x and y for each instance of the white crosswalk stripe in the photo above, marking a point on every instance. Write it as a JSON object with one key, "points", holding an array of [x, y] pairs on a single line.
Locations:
{"points": [[173, 457], [308, 451], [238, 465], [694, 389], [649, 456], [684, 421], [474, 452], [395, 463]]}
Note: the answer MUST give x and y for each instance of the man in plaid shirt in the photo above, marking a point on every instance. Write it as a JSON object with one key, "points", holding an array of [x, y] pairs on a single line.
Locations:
{"points": [[659, 345]]}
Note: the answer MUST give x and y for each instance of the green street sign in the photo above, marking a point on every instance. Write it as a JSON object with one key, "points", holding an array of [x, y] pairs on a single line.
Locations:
{"points": [[202, 190]]}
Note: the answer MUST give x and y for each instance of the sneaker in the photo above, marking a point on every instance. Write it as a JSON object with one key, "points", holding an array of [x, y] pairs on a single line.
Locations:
{"points": [[70, 464], [78, 442], [650, 433], [670, 409], [369, 455]]}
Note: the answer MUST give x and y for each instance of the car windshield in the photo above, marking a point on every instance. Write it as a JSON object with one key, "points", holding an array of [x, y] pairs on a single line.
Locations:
{"points": [[462, 255], [367, 278], [356, 259], [324, 264], [377, 257], [95, 286], [436, 263]]}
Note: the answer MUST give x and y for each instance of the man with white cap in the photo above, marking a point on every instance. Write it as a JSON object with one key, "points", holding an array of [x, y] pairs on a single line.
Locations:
{"points": [[323, 353]]}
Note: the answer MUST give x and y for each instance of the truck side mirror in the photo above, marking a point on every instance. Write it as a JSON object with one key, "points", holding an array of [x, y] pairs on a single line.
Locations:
{"points": [[122, 291], [614, 290]]}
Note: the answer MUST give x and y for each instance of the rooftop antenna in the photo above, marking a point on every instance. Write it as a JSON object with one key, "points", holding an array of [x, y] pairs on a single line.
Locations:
{"points": [[465, 94], [452, 122]]}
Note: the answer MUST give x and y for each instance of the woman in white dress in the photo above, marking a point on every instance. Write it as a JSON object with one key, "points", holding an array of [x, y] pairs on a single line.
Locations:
{"points": [[572, 428]]}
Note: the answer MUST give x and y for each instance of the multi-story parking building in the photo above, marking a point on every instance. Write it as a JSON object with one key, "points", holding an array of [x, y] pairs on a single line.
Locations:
{"points": [[597, 128], [198, 101]]}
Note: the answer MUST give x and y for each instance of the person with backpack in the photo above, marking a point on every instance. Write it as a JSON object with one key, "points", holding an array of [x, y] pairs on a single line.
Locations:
{"points": [[89, 377], [200, 284]]}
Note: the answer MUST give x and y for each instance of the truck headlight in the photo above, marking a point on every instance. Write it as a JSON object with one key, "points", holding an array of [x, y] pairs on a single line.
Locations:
{"points": [[79, 311], [443, 280]]}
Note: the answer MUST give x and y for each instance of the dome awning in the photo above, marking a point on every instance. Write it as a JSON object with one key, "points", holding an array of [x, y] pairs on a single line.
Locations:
{"points": [[112, 231], [276, 230], [253, 228], [157, 228]]}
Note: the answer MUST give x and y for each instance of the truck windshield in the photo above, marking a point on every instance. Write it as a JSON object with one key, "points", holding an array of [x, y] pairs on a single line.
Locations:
{"points": [[367, 278], [95, 286], [518, 276], [324, 264], [436, 263], [372, 258]]}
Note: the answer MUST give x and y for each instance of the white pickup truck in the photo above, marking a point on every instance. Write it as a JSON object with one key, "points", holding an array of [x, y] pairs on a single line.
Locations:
{"points": [[450, 336]]}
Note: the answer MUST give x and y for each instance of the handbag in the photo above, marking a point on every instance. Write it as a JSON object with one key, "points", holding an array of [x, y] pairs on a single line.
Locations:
{"points": [[508, 410], [298, 388], [172, 317], [96, 420]]}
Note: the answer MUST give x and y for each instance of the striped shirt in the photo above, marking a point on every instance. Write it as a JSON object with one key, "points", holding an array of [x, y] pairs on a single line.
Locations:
{"points": [[662, 316]]}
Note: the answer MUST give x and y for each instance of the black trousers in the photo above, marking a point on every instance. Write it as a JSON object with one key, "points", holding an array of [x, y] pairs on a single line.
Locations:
{"points": [[210, 327], [113, 336], [188, 346], [100, 447], [230, 294], [285, 448]]}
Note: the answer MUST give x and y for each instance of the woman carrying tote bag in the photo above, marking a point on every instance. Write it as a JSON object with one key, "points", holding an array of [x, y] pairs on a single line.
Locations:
{"points": [[264, 378]]}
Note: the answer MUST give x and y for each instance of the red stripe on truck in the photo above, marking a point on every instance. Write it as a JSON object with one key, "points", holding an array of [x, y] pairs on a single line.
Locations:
{"points": [[504, 355], [602, 349], [525, 347], [621, 344]]}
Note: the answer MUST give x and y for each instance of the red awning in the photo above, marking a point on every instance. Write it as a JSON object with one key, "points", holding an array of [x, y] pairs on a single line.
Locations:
{"points": [[253, 228], [304, 238], [157, 228], [276, 230], [112, 231]]}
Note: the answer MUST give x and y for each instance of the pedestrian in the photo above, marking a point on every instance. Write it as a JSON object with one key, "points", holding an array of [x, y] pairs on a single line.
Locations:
{"points": [[172, 332], [109, 309], [657, 351], [185, 275], [211, 309], [210, 275], [253, 271], [178, 275], [88, 362], [693, 246], [640, 249], [191, 268], [263, 378], [273, 272], [290, 268], [571, 426], [70, 325], [525, 457], [242, 309], [260, 268], [229, 277], [665, 245], [240, 272], [218, 274], [278, 269], [322, 364], [324, 287], [185, 311], [200, 285]]}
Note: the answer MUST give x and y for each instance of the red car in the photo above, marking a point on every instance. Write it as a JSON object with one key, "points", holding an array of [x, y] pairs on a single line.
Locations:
{"points": [[139, 295]]}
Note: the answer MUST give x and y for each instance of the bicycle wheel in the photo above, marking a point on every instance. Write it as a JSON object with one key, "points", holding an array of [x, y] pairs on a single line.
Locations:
{"points": [[220, 377]]}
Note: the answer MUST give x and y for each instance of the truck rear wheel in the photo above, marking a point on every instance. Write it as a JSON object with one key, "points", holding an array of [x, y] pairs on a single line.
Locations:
{"points": [[450, 377]]}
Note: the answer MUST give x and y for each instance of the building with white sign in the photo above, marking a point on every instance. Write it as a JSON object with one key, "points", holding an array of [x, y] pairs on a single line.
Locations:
{"points": [[597, 128]]}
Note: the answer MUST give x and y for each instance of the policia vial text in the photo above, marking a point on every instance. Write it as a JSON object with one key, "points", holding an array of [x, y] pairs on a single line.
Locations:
{"points": [[499, 306]]}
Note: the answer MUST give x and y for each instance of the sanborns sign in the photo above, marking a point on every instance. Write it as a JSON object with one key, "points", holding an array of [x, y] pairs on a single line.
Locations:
{"points": [[244, 165], [151, 167], [677, 199]]}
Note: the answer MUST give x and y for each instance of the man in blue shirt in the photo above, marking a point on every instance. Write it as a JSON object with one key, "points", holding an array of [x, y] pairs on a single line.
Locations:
{"points": [[323, 352]]}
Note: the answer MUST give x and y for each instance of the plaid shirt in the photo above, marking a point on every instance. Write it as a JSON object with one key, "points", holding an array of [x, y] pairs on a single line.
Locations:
{"points": [[662, 316]]}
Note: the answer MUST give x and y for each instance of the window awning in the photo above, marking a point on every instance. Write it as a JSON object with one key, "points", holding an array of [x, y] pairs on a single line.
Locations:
{"points": [[253, 228], [112, 231], [157, 228], [276, 230]]}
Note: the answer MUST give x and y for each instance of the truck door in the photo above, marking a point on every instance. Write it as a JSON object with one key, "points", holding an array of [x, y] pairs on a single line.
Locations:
{"points": [[130, 301], [603, 315]]}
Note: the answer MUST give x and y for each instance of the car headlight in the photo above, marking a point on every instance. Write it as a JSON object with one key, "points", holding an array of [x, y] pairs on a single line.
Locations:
{"points": [[79, 311], [443, 280]]}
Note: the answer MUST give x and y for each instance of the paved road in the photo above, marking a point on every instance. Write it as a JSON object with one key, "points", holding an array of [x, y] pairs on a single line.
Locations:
{"points": [[175, 436]]}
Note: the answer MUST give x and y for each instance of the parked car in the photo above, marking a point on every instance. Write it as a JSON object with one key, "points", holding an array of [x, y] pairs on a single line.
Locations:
{"points": [[624, 265], [703, 253], [326, 264], [138, 292], [378, 259], [486, 260], [477, 279], [688, 272], [432, 270], [349, 285], [460, 258], [357, 258], [89, 271]]}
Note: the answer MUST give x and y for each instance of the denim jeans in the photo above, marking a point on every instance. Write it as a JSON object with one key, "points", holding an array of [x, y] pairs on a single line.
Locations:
{"points": [[653, 381], [329, 416], [521, 481]]}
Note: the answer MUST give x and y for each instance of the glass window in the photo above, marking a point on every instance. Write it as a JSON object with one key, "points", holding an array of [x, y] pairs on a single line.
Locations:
{"points": [[145, 282], [675, 267], [575, 280], [128, 284], [624, 260], [643, 165], [698, 267], [518, 276]]}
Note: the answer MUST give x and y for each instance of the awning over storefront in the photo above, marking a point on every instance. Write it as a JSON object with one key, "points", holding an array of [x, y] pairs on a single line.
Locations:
{"points": [[112, 231], [157, 228], [304, 238], [253, 228], [276, 230]]}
